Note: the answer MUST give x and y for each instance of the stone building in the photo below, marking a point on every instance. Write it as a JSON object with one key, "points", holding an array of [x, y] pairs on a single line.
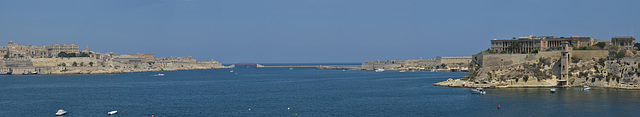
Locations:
{"points": [[540, 43], [623, 42], [55, 49], [30, 51]]}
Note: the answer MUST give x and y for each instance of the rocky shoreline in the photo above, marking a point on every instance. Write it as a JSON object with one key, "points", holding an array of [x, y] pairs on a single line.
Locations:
{"points": [[619, 73]]}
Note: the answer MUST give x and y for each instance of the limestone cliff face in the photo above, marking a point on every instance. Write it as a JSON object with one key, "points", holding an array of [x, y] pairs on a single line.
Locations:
{"points": [[545, 72]]}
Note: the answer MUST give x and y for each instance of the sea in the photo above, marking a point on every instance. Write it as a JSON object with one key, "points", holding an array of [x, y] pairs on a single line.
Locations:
{"points": [[285, 92]]}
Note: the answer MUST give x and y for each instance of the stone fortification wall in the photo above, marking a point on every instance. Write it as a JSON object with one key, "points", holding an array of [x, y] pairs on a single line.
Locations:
{"points": [[454, 60], [459, 63], [67, 61], [590, 54], [494, 60], [390, 64], [491, 60], [16, 62]]}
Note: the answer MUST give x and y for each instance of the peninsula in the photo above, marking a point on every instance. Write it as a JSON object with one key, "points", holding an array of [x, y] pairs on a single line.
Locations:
{"points": [[69, 59], [548, 61]]}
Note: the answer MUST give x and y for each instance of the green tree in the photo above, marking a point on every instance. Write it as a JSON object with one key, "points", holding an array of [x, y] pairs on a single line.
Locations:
{"points": [[614, 48], [6, 55], [91, 64], [74, 64], [620, 54], [81, 63], [637, 45], [443, 66], [62, 54], [601, 44]]}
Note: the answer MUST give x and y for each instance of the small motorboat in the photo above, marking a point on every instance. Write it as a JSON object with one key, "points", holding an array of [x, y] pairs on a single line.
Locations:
{"points": [[553, 90], [112, 112], [5, 73], [231, 71], [290, 68], [61, 112], [478, 90], [159, 75], [586, 88], [403, 71], [379, 70]]}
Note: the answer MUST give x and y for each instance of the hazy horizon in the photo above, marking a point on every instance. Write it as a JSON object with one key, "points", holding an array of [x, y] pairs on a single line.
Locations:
{"points": [[289, 31]]}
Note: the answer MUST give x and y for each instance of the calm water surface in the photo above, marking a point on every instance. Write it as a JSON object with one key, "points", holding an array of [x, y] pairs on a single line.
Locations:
{"points": [[305, 91]]}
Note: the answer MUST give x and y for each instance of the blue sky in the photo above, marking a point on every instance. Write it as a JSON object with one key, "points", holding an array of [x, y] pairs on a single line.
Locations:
{"points": [[298, 31]]}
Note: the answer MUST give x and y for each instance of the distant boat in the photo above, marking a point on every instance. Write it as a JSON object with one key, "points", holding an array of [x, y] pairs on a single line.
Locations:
{"points": [[30, 73], [402, 71], [159, 75], [433, 70], [61, 112], [553, 90], [290, 68], [586, 88], [5, 73], [478, 90], [112, 112], [379, 70], [231, 71]]}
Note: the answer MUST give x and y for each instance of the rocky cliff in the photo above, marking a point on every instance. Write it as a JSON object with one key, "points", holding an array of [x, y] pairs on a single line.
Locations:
{"points": [[612, 71]]}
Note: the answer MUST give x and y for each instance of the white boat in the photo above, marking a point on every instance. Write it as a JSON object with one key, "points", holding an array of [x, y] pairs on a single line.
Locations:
{"points": [[586, 88], [112, 112], [379, 70], [61, 112], [290, 68], [159, 75], [553, 90], [231, 71], [403, 71], [478, 90]]}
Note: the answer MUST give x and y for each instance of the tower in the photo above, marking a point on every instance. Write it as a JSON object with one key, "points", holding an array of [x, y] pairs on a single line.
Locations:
{"points": [[564, 64], [86, 48]]}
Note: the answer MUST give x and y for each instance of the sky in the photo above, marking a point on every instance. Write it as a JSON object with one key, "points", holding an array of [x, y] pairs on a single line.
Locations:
{"points": [[307, 31]]}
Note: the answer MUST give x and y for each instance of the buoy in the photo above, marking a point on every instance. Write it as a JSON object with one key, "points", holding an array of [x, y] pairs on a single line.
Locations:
{"points": [[288, 108], [498, 106], [151, 115], [249, 108]]}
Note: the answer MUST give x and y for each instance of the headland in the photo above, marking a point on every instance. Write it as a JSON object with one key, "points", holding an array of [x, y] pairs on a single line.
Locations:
{"points": [[68, 59], [548, 61]]}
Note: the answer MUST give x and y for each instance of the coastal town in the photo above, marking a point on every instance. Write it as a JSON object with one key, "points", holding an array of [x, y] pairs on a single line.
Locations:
{"points": [[69, 59]]}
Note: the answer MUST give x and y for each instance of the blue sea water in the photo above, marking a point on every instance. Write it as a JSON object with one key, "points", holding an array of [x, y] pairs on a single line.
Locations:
{"points": [[298, 92]]}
